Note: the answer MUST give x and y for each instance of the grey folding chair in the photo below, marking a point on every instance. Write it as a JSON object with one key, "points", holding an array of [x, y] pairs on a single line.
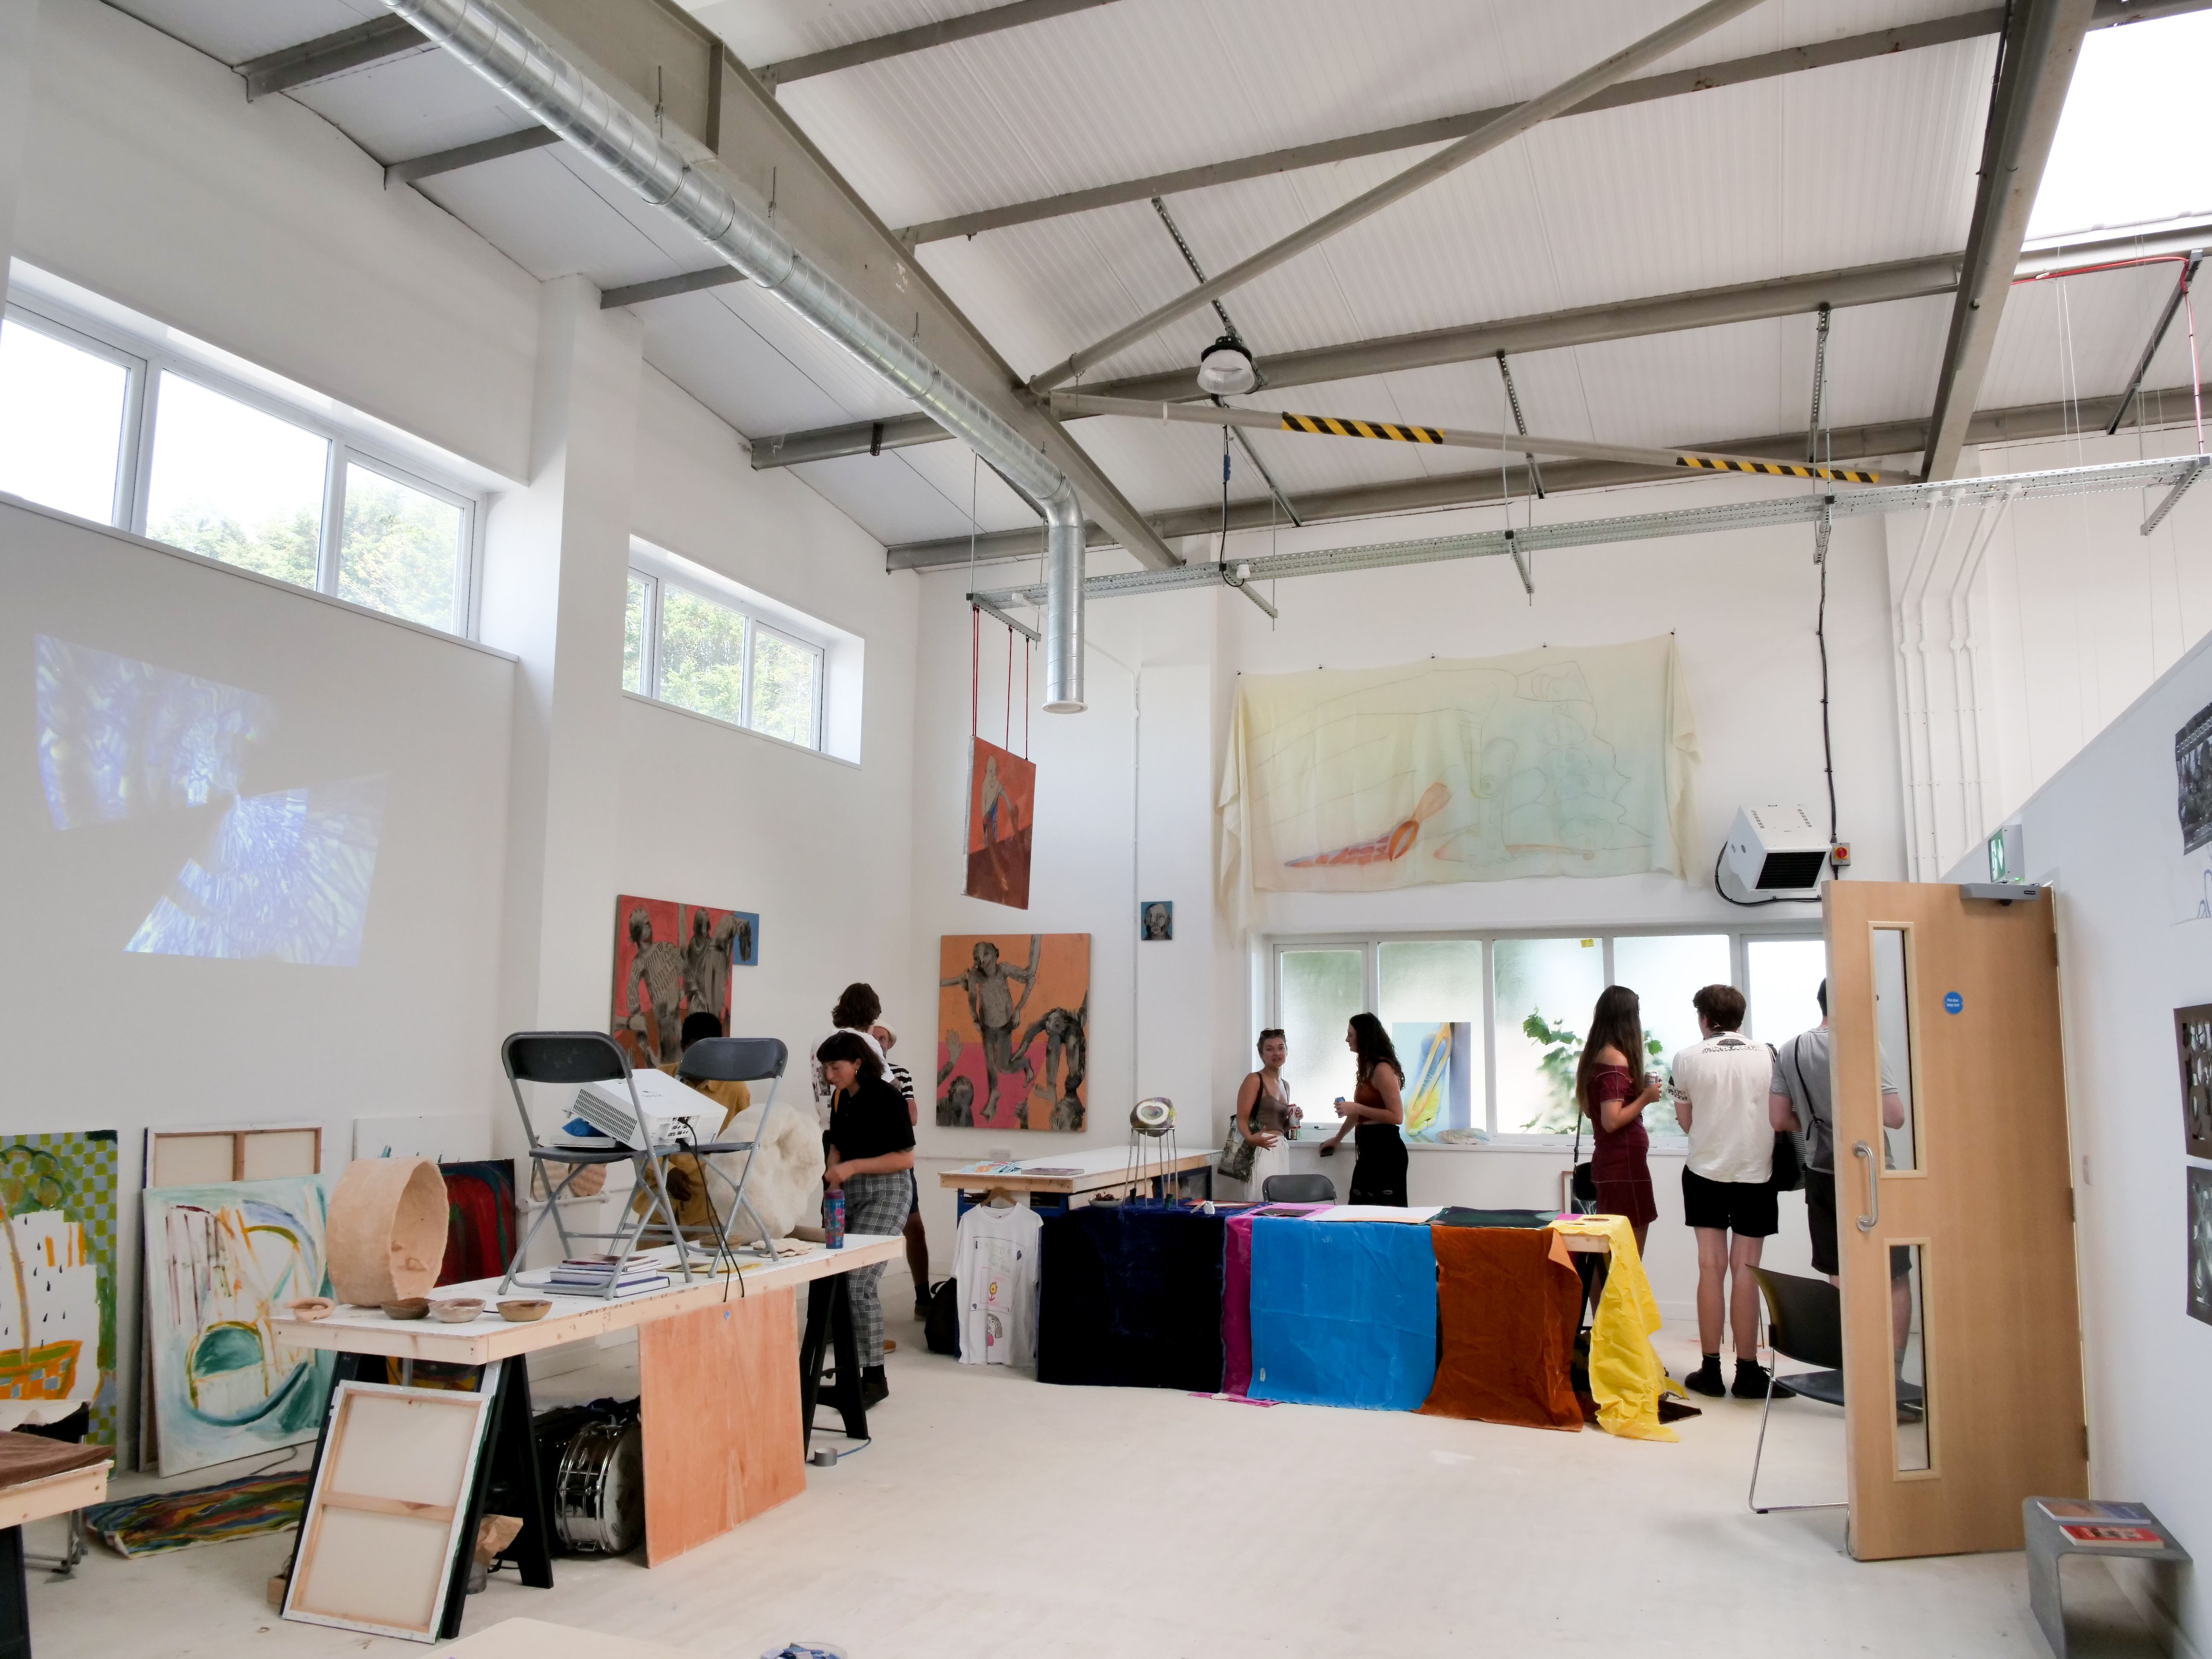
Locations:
{"points": [[737, 1059], [1298, 1189], [576, 1057], [1805, 1322]]}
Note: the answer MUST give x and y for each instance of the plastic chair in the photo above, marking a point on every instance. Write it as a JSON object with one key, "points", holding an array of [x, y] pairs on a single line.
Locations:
{"points": [[737, 1059], [573, 1057], [1298, 1189], [1805, 1322]]}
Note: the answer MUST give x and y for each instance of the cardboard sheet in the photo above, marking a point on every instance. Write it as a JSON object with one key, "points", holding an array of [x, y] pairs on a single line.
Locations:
{"points": [[1343, 1316]]}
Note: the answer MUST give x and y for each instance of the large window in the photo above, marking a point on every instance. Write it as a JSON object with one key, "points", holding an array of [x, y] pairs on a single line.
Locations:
{"points": [[130, 432], [1490, 1030], [713, 654]]}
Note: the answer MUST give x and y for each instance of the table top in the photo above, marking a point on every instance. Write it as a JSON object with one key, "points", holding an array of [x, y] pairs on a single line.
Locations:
{"points": [[58, 1494], [571, 1318], [1073, 1172]]}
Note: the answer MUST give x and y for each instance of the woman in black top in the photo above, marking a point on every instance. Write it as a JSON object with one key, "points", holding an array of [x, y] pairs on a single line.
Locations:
{"points": [[870, 1154], [1377, 1107]]}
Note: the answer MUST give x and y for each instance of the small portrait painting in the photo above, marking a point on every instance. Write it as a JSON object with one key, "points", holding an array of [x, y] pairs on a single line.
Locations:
{"points": [[744, 943], [2200, 1245], [1156, 919]]}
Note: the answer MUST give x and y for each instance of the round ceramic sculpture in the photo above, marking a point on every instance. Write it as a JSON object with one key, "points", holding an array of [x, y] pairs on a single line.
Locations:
{"points": [[457, 1311], [385, 1237], [310, 1308], [413, 1306], [522, 1309]]}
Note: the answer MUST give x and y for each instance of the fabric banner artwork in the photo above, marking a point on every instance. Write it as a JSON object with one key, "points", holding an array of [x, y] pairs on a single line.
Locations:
{"points": [[1552, 763], [672, 960], [1013, 1017], [57, 1294], [1001, 809]]}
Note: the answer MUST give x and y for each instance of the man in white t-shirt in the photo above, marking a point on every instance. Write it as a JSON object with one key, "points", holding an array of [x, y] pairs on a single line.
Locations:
{"points": [[1720, 1091]]}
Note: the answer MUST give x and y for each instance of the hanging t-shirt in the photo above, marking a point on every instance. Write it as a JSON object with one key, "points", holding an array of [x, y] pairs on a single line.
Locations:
{"points": [[996, 1280]]}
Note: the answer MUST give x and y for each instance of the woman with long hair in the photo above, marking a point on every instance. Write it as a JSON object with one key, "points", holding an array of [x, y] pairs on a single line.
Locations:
{"points": [[1612, 1090], [1373, 1114], [1263, 1112], [870, 1156]]}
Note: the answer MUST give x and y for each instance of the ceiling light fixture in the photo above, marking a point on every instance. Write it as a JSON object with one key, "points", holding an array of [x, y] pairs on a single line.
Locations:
{"points": [[1225, 369]]}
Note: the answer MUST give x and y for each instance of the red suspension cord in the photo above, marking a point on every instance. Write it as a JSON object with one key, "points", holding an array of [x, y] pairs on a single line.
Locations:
{"points": [[1007, 741], [974, 669], [1026, 642]]}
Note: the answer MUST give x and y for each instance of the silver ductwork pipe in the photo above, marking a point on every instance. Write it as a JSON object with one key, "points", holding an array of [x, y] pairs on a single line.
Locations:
{"points": [[553, 92]]}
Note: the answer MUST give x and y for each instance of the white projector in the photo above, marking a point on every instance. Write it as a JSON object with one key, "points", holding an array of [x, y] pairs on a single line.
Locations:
{"points": [[1777, 848], [670, 1110]]}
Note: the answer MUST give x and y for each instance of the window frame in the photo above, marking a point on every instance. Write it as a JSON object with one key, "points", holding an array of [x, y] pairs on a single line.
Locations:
{"points": [[146, 360], [657, 584], [1272, 948]]}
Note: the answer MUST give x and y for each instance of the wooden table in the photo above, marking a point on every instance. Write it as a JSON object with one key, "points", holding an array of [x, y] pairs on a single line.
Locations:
{"points": [[724, 1413], [1094, 1170], [34, 1500]]}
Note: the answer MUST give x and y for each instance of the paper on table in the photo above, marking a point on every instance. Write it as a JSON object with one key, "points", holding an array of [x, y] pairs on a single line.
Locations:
{"points": [[1423, 1214]]}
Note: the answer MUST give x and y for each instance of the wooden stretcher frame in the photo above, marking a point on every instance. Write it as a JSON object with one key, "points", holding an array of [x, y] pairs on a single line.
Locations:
{"points": [[238, 1135]]}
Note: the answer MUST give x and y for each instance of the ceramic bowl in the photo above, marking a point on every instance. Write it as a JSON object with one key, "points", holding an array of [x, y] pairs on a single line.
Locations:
{"points": [[413, 1307], [457, 1311], [523, 1309], [311, 1307]]}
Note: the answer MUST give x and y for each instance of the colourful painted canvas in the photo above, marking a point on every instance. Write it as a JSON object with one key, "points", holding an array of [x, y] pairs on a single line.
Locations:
{"points": [[1001, 808], [1439, 1058], [671, 960], [221, 1263], [1013, 1018], [58, 1298]]}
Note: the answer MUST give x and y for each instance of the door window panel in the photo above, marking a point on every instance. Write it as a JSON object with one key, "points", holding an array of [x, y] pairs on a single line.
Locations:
{"points": [[61, 422], [1892, 1003], [233, 483]]}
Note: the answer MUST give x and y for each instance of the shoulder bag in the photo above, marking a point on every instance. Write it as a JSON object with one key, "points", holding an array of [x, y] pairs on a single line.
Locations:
{"points": [[1236, 1153], [1788, 1164]]}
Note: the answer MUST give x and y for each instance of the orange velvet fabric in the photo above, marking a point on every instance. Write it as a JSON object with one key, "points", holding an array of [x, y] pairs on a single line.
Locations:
{"points": [[1506, 1313]]}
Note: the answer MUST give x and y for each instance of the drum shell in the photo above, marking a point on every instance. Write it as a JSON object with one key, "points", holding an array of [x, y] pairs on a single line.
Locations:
{"points": [[594, 1476]]}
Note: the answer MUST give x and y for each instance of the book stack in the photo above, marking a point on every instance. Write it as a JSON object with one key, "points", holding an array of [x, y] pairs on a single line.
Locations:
{"points": [[587, 1275]]}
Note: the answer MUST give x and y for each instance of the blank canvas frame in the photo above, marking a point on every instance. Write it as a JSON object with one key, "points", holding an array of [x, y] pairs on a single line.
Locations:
{"points": [[390, 1500], [210, 1156]]}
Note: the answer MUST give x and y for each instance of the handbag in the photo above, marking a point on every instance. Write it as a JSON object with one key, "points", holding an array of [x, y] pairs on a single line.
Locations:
{"points": [[1788, 1169], [1237, 1153], [1583, 1186]]}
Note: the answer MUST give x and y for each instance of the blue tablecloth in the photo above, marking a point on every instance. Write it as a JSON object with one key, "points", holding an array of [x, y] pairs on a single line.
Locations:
{"points": [[1344, 1313]]}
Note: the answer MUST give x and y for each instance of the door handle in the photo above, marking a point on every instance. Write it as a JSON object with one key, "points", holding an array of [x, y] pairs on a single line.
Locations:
{"points": [[1873, 1217]]}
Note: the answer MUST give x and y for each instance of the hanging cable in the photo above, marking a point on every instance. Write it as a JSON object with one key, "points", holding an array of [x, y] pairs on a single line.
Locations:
{"points": [[1026, 643], [975, 670], [1749, 904], [1006, 735]]}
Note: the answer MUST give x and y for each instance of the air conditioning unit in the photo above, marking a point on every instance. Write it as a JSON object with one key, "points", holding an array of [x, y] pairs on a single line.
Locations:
{"points": [[1777, 848]]}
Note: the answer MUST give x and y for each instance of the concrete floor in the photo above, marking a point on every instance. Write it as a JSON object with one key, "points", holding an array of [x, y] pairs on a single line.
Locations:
{"points": [[994, 1516]]}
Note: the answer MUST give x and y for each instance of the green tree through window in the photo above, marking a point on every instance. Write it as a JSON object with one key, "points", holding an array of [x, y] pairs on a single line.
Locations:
{"points": [[401, 550], [703, 654]]}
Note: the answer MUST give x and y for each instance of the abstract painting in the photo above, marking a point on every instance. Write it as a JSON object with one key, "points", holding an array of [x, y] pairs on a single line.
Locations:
{"points": [[57, 1298], [221, 1263], [671, 960], [744, 938], [1001, 809], [1439, 1058], [1013, 1017]]}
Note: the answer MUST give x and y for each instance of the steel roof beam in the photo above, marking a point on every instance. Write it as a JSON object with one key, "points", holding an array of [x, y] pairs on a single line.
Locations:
{"points": [[469, 156], [897, 44], [2042, 43], [331, 54], [1990, 426]]}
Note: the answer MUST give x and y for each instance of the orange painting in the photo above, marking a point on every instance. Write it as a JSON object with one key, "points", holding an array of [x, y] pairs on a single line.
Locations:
{"points": [[1001, 806], [1013, 1021], [671, 960]]}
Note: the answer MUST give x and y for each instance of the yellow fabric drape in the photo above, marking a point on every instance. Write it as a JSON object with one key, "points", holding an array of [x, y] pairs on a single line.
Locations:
{"points": [[1626, 1378]]}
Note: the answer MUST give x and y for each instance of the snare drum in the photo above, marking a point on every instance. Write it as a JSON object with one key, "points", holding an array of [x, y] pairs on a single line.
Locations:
{"points": [[598, 1489]]}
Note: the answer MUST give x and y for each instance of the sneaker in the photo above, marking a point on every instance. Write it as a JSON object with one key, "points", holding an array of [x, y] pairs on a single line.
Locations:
{"points": [[874, 1389], [1752, 1382], [1706, 1379], [921, 1309]]}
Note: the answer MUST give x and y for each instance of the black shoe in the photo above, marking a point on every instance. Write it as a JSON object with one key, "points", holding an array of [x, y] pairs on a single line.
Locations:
{"points": [[874, 1389], [921, 1309], [1706, 1379], [1751, 1380]]}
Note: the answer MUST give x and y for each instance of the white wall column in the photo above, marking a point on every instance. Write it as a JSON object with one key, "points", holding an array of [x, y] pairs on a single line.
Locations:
{"points": [[555, 576], [19, 30]]}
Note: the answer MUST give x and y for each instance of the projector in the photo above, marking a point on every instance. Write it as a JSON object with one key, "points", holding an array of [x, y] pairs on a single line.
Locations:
{"points": [[669, 1107], [1776, 847]]}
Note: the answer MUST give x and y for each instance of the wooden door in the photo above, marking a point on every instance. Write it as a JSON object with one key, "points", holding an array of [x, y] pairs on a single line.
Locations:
{"points": [[1957, 1002]]}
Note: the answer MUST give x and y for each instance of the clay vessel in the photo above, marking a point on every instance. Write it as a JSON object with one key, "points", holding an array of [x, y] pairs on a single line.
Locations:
{"points": [[521, 1310], [386, 1238], [458, 1310], [311, 1307], [413, 1306]]}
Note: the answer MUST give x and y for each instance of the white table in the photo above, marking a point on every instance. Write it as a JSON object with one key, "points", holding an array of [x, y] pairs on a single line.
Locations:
{"points": [[1066, 1174]]}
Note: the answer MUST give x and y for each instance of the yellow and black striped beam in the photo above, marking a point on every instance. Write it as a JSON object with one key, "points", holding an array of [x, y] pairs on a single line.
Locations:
{"points": [[1777, 468], [1325, 426]]}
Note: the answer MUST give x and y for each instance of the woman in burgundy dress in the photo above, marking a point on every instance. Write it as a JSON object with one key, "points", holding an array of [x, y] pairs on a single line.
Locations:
{"points": [[1613, 1090]]}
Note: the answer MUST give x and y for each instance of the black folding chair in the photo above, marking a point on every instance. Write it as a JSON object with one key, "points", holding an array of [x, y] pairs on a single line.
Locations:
{"points": [[1805, 1322], [579, 1057], [1298, 1189], [737, 1059]]}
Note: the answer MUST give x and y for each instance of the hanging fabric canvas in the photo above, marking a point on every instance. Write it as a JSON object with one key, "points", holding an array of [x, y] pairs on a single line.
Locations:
{"points": [[1551, 762], [221, 1263], [1001, 808], [671, 960], [1014, 1014], [57, 1297]]}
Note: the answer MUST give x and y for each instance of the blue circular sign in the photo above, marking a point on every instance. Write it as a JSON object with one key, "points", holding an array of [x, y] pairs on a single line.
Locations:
{"points": [[1952, 1002]]}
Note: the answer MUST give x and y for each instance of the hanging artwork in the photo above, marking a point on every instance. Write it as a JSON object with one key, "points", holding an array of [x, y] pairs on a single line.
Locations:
{"points": [[744, 938], [2189, 874], [1001, 808], [1156, 921], [221, 1263], [57, 1297], [1551, 762], [1014, 1014], [671, 960], [1439, 1056]]}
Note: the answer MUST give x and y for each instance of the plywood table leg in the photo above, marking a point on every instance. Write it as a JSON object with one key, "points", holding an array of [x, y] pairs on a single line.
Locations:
{"points": [[720, 1405]]}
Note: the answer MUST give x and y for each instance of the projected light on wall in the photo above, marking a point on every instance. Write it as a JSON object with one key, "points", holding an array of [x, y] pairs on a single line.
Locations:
{"points": [[284, 876]]}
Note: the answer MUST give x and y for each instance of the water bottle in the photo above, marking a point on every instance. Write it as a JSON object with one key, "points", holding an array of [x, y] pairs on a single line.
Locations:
{"points": [[833, 1218]]}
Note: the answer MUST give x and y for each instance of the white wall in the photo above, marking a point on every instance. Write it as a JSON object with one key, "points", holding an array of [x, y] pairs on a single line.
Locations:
{"points": [[2104, 830], [112, 1039]]}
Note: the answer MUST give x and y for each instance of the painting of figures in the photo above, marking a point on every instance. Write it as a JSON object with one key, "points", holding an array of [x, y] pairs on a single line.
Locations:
{"points": [[57, 1293], [221, 1263], [1001, 806], [671, 960], [1013, 1021]]}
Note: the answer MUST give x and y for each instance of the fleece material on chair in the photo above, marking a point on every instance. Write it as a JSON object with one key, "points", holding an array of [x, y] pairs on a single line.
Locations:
{"points": [[786, 1189], [1507, 1314], [1343, 1315]]}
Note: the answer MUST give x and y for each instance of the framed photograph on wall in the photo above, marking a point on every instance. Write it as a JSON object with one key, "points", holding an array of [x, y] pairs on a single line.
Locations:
{"points": [[2192, 1044]]}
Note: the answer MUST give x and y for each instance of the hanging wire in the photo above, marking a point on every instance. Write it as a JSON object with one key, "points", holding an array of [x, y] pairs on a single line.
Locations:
{"points": [[1006, 740], [1026, 643], [974, 669]]}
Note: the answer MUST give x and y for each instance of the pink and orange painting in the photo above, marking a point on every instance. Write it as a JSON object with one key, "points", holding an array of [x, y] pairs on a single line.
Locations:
{"points": [[1001, 807], [671, 960], [1013, 1022]]}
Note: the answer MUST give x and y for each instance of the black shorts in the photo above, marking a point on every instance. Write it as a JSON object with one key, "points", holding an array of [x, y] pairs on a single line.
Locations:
{"points": [[1820, 1215], [1745, 1208]]}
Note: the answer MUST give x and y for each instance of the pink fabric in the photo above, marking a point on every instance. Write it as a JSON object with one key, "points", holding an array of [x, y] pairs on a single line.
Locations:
{"points": [[1237, 1308]]}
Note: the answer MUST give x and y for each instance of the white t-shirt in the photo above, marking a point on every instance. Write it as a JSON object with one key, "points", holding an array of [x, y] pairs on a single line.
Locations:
{"points": [[995, 1273], [1725, 1081]]}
